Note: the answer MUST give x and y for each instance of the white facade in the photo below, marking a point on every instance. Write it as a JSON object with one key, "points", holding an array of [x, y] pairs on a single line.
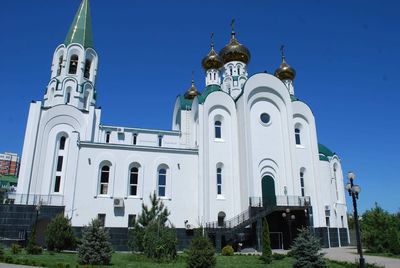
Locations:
{"points": [[199, 168]]}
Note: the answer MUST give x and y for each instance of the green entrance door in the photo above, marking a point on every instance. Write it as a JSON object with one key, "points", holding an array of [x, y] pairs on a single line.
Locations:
{"points": [[268, 191]]}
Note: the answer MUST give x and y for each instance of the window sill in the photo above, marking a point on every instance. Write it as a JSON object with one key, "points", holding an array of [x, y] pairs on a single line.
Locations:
{"points": [[102, 196], [133, 197], [219, 140], [299, 146], [220, 197], [164, 198]]}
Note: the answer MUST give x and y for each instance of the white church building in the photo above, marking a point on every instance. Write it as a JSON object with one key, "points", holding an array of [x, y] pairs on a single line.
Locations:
{"points": [[242, 148]]}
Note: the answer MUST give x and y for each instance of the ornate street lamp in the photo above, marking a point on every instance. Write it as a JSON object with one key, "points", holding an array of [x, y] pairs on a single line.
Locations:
{"points": [[354, 191], [289, 218]]}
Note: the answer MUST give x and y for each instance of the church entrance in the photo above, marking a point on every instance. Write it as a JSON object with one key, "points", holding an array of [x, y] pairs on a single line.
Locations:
{"points": [[268, 191]]}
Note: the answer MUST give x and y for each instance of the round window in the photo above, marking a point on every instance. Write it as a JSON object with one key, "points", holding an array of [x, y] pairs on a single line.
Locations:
{"points": [[265, 118]]}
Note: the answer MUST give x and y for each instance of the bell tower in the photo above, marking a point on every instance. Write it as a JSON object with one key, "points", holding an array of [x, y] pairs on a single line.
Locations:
{"points": [[74, 66]]}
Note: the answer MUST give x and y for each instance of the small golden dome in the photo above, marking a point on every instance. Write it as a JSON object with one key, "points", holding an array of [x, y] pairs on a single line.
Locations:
{"points": [[212, 60], [192, 92], [285, 71], [234, 51]]}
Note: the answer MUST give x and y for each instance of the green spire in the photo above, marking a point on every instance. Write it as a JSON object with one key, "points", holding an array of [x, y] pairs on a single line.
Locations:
{"points": [[81, 28]]}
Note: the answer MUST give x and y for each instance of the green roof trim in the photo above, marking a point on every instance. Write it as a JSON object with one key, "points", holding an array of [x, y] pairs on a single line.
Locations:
{"points": [[186, 104], [323, 158], [294, 98], [81, 28], [207, 91], [322, 149]]}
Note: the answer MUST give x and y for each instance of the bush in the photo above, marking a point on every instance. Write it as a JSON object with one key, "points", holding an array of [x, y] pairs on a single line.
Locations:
{"points": [[15, 249], [151, 235], [305, 250], [32, 248], [277, 256], [201, 253], [227, 250], [59, 235], [95, 248], [381, 231], [266, 242]]}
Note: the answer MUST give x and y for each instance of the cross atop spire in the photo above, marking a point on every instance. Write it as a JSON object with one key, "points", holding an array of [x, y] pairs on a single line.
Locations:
{"points": [[81, 28], [283, 52]]}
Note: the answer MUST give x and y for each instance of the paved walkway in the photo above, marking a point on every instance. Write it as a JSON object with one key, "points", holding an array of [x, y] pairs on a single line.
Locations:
{"points": [[6, 265], [350, 254]]}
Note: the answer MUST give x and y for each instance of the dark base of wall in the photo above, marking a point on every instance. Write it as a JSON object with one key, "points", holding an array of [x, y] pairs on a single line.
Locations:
{"points": [[335, 238]]}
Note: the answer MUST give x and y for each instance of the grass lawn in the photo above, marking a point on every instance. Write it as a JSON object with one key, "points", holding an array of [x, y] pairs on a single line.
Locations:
{"points": [[133, 260]]}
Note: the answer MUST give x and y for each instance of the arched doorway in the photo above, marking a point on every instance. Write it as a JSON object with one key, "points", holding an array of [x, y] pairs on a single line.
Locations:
{"points": [[268, 191], [221, 218]]}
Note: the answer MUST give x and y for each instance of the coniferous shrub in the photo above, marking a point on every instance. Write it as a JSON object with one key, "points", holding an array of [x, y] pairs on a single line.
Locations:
{"points": [[15, 249], [59, 234], [95, 248], [305, 250], [150, 233], [201, 253], [266, 243], [227, 250], [32, 248]]}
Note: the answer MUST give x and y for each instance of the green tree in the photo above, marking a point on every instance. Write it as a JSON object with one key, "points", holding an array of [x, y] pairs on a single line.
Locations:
{"points": [[150, 233], [32, 248], [266, 242], [59, 235], [201, 253], [305, 250], [381, 231], [95, 248]]}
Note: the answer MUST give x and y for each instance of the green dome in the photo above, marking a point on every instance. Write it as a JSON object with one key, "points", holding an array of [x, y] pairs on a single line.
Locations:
{"points": [[324, 152], [207, 91]]}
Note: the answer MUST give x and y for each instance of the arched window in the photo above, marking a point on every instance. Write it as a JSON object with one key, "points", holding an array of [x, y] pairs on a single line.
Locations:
{"points": [[133, 181], [302, 182], [68, 95], [335, 178], [62, 142], [134, 139], [219, 181], [238, 69], [215, 76], [221, 218], [231, 70], [218, 129], [160, 137], [210, 76], [60, 61], [297, 135], [162, 182], [108, 133], [73, 64], [104, 179], [86, 100], [86, 74]]}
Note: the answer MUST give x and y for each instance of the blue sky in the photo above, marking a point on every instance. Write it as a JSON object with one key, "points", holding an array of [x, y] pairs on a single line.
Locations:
{"points": [[346, 54]]}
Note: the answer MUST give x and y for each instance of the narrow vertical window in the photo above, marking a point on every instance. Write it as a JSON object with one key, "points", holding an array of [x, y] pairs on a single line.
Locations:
{"points": [[60, 61], [108, 136], [86, 74], [342, 220], [215, 76], [238, 69], [133, 181], [219, 181], [68, 98], [86, 100], [160, 140], [218, 130], [297, 135], [336, 186], [73, 64], [327, 217], [59, 163], [302, 183], [57, 184], [162, 181], [131, 220], [231, 70], [102, 219], [62, 143], [134, 139], [210, 76], [104, 179]]}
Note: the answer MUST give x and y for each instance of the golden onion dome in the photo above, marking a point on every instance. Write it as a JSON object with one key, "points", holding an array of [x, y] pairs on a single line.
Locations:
{"points": [[285, 71], [192, 92], [235, 51], [212, 60]]}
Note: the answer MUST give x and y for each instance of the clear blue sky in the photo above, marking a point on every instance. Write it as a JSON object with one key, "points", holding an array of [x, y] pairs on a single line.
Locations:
{"points": [[346, 54]]}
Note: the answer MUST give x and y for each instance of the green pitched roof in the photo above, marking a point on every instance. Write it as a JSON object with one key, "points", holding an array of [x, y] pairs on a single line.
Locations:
{"points": [[185, 103], [207, 91], [81, 28], [324, 152]]}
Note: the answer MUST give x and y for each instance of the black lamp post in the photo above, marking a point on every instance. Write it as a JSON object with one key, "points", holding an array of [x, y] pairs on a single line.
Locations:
{"points": [[289, 218], [354, 190]]}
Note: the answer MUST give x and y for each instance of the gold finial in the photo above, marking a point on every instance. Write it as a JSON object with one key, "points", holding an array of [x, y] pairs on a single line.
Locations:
{"points": [[233, 29], [212, 40], [283, 52]]}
